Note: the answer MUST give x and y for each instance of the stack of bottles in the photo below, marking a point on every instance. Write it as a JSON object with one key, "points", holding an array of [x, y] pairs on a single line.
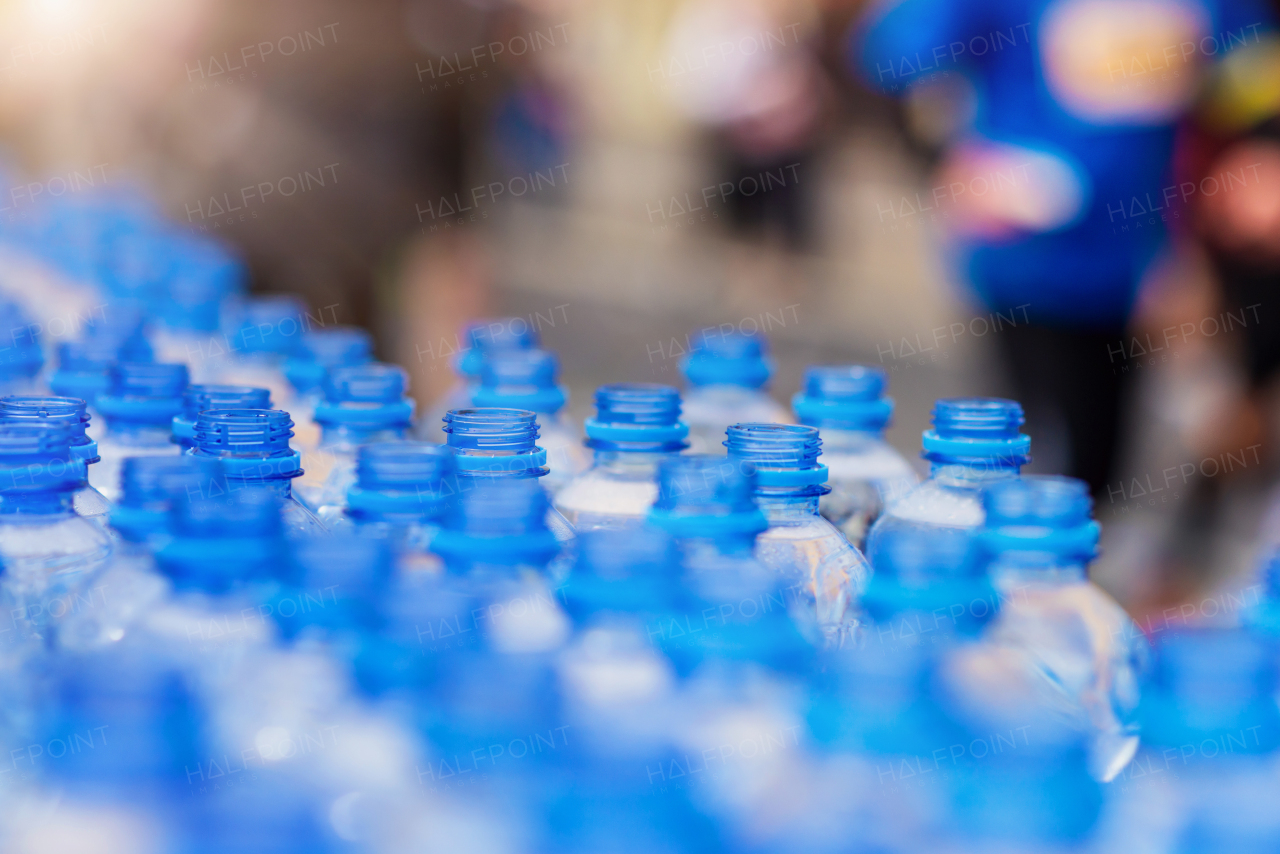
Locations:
{"points": [[245, 609]]}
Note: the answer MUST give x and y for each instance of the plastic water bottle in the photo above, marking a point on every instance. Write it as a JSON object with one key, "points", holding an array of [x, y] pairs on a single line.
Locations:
{"points": [[1038, 540], [974, 443], [321, 351], [636, 426], [253, 446], [22, 357], [501, 444], [363, 404], [204, 277], [479, 340], [707, 505], [45, 548], [848, 406], [84, 367], [86, 501], [138, 410], [493, 622], [269, 331], [108, 605], [1204, 779], [727, 375], [198, 398], [332, 585], [806, 551], [527, 379], [402, 490]]}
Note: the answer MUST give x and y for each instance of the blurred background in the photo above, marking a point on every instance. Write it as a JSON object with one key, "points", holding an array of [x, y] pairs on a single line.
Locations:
{"points": [[1075, 203]]}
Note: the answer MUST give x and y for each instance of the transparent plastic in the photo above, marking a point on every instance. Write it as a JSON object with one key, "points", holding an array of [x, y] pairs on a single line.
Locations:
{"points": [[711, 409], [866, 475]]}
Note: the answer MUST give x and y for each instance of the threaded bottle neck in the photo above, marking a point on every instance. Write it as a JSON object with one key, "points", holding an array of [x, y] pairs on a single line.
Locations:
{"points": [[637, 417], [977, 431], [844, 397], [785, 457], [495, 442]]}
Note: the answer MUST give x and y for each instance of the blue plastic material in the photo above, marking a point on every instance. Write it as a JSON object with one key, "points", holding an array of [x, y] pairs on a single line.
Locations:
{"points": [[150, 485], [490, 336], [521, 379], [253, 444], [198, 398], [1040, 514], [324, 349], [494, 441], [637, 416], [366, 397], [707, 496], [499, 521], [224, 542], [20, 355], [273, 324], [785, 456], [402, 479], [977, 429], [145, 393], [844, 397], [54, 410], [734, 358], [35, 457]]}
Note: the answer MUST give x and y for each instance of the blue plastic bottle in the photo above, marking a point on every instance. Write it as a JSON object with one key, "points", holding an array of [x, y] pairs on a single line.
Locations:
{"points": [[203, 279], [138, 410], [21, 359], [45, 548], [109, 604], [848, 405], [84, 367], [806, 551], [974, 443], [727, 374], [492, 623], [1204, 779], [87, 501], [479, 340], [402, 490], [332, 585], [362, 405], [636, 426], [322, 350], [1263, 615], [253, 445], [268, 331], [500, 444], [527, 379], [1037, 542], [198, 398]]}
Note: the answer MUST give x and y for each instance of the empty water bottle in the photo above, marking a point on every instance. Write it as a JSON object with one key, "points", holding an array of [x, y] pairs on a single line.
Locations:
{"points": [[321, 351], [500, 444], [527, 379], [1204, 779], [848, 406], [138, 410], [402, 490], [479, 340], [1038, 540], [198, 398], [363, 404], [636, 426], [727, 374], [806, 551], [87, 501], [22, 358], [45, 548], [253, 446], [974, 442], [268, 331]]}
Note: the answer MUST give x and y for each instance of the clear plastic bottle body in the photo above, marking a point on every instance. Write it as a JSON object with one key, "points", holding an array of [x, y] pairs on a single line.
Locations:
{"points": [[866, 475], [46, 554], [567, 457], [330, 469], [710, 410], [110, 602], [949, 501], [617, 491], [120, 442], [814, 560], [1084, 645], [91, 504]]}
